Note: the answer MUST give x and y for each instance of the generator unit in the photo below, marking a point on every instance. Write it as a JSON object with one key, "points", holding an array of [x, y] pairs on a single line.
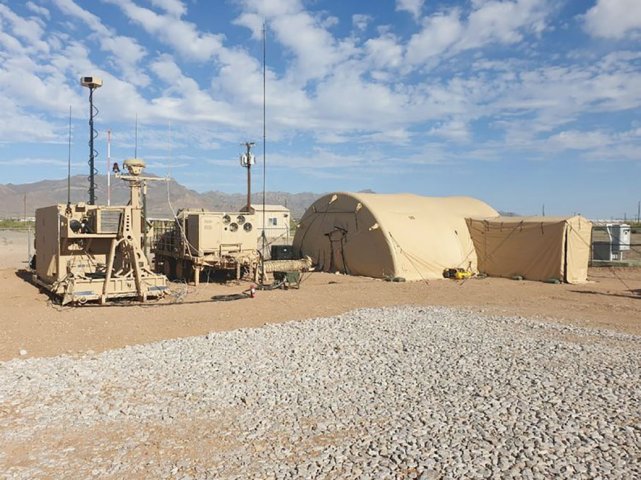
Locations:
{"points": [[90, 252], [198, 240]]}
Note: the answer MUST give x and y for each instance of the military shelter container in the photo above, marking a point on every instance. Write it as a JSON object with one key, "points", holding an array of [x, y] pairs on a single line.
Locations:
{"points": [[536, 248], [389, 235], [276, 223]]}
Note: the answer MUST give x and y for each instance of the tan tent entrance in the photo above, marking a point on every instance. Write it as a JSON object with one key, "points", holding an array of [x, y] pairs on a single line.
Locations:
{"points": [[337, 239], [382, 236], [536, 248]]}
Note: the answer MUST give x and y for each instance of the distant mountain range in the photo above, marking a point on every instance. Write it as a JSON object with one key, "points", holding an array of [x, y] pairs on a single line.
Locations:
{"points": [[159, 197]]}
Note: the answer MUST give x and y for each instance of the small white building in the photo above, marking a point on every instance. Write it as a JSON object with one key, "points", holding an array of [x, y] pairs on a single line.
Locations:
{"points": [[277, 218]]}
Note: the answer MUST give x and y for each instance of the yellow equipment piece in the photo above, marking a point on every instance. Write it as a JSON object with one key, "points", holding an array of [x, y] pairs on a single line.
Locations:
{"points": [[457, 273], [462, 274]]}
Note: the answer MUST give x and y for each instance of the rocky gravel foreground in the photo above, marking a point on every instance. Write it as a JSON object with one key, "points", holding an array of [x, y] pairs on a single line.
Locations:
{"points": [[379, 393]]}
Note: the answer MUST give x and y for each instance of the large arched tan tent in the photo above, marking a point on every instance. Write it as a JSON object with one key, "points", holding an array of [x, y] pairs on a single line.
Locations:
{"points": [[382, 236]]}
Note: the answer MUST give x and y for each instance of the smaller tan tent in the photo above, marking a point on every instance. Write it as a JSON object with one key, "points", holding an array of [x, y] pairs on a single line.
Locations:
{"points": [[389, 235], [536, 248]]}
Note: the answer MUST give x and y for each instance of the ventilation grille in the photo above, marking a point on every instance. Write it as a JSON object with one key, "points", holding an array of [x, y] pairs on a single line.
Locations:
{"points": [[110, 221]]}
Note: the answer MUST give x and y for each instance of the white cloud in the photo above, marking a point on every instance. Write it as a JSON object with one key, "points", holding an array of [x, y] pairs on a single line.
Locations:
{"points": [[504, 22], [578, 140], [34, 162], [489, 22], [17, 125], [253, 22], [412, 6], [126, 51], [346, 102], [384, 51], [181, 35], [328, 22], [184, 100], [598, 144], [614, 19], [455, 130], [440, 32], [28, 30], [559, 95], [173, 7], [396, 136], [273, 8], [38, 9], [361, 21], [319, 158], [316, 51]]}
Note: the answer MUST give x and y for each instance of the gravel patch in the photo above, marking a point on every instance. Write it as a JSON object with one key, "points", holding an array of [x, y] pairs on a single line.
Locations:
{"points": [[403, 392]]}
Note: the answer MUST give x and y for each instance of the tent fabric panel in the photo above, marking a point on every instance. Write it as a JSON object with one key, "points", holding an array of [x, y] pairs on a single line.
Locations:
{"points": [[532, 249], [579, 239]]}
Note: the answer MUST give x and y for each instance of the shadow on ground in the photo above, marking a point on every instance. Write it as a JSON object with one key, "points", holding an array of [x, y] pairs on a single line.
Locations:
{"points": [[631, 293]]}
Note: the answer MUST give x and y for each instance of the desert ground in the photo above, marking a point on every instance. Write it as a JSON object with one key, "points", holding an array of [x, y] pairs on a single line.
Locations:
{"points": [[346, 377], [30, 322]]}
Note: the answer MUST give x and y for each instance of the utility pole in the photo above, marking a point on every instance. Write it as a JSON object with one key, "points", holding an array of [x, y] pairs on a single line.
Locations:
{"points": [[247, 159], [25, 207]]}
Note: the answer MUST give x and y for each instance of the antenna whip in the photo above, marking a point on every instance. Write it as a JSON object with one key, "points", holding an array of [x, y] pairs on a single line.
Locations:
{"points": [[264, 129], [136, 139], [69, 163]]}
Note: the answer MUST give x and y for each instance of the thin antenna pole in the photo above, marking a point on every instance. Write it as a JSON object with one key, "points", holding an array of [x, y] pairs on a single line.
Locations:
{"points": [[69, 163], [136, 140], [109, 167], [92, 150], [170, 151], [248, 165], [264, 127]]}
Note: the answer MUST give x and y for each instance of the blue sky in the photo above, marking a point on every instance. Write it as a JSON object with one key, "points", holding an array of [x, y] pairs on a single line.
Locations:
{"points": [[517, 102]]}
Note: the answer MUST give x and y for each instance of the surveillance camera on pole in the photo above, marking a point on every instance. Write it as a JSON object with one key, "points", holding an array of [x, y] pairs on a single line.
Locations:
{"points": [[92, 83]]}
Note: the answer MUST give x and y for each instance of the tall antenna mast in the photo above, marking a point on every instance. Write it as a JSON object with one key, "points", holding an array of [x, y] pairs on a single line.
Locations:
{"points": [[170, 151], [136, 139], [264, 129], [92, 83], [108, 167], [69, 164]]}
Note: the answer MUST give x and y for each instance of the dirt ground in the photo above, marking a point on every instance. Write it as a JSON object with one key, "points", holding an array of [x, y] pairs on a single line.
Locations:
{"points": [[14, 248], [29, 321]]}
